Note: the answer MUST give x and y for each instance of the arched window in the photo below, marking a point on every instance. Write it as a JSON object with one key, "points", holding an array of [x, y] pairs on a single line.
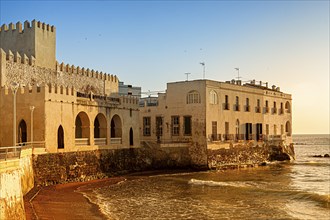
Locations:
{"points": [[213, 97], [22, 132], [237, 130], [60, 137], [288, 107], [193, 97], [288, 128]]}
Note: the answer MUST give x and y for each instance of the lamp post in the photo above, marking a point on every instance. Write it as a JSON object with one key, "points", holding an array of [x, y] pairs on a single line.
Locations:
{"points": [[32, 108], [187, 75], [14, 87]]}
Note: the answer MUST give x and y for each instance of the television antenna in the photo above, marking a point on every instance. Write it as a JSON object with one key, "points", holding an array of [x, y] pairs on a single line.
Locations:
{"points": [[238, 77], [187, 75]]}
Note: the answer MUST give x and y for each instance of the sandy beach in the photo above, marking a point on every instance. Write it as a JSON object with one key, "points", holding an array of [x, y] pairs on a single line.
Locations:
{"points": [[64, 202]]}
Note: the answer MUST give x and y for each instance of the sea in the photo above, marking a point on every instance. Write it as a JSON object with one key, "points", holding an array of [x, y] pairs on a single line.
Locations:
{"points": [[299, 189]]}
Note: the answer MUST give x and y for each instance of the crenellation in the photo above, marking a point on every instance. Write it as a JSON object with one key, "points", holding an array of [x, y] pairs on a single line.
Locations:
{"points": [[12, 27], [19, 27], [4, 27], [17, 58], [27, 24], [10, 56], [32, 61], [25, 59]]}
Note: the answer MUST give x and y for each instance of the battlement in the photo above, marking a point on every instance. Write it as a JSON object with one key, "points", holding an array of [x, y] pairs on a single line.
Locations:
{"points": [[17, 58], [27, 25], [71, 69]]}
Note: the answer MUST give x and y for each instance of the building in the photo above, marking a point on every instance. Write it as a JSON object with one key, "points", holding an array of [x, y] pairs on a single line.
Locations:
{"points": [[129, 90], [59, 106], [216, 114]]}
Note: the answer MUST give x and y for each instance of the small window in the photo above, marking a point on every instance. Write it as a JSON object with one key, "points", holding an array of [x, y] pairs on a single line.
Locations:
{"points": [[146, 126], [175, 125], [159, 126]]}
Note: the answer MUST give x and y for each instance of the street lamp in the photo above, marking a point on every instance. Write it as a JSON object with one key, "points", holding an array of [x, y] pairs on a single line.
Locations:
{"points": [[14, 87], [32, 108], [203, 64], [187, 75]]}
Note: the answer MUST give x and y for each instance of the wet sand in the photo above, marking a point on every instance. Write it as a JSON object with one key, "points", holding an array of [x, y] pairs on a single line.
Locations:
{"points": [[64, 202]]}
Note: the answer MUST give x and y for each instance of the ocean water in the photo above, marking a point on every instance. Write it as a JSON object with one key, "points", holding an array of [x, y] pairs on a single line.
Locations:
{"points": [[290, 190]]}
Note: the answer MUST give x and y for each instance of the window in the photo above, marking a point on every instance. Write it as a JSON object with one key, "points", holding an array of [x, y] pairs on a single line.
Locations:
{"points": [[247, 107], [213, 97], [146, 126], [226, 107], [274, 108], [281, 109], [227, 131], [237, 104], [193, 97], [187, 125], [267, 129], [258, 106], [159, 126], [267, 107], [214, 130], [175, 125]]}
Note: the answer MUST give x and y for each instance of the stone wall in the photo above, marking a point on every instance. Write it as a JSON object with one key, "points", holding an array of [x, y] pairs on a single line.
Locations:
{"points": [[248, 155], [86, 165], [16, 179]]}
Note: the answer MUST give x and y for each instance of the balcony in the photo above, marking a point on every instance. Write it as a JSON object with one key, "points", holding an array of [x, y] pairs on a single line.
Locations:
{"points": [[247, 108], [237, 108], [281, 111], [258, 109], [266, 109], [226, 106], [274, 110]]}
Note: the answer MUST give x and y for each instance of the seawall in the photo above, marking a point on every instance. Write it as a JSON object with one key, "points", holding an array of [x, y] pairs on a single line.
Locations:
{"points": [[66, 167]]}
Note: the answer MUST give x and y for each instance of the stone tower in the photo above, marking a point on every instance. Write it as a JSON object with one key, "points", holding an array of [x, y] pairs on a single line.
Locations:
{"points": [[36, 39]]}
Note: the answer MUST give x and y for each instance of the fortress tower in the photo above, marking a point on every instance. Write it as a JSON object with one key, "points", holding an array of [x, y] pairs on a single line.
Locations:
{"points": [[36, 39]]}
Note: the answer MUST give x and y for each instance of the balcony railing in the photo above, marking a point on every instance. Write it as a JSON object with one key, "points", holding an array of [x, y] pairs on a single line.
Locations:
{"points": [[115, 141], [274, 110], [258, 110], [266, 109], [100, 141], [237, 108], [82, 141], [281, 111], [226, 106], [247, 108], [8, 153]]}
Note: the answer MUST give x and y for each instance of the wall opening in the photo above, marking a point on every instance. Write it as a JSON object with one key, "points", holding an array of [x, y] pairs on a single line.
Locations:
{"points": [[22, 132], [116, 127], [131, 137], [60, 137]]}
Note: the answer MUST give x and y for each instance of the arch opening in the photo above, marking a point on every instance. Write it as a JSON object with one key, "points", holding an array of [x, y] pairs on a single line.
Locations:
{"points": [[131, 137], [22, 132], [82, 127], [116, 130], [60, 137]]}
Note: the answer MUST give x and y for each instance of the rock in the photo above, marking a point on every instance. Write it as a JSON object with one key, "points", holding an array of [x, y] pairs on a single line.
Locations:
{"points": [[317, 156], [326, 155]]}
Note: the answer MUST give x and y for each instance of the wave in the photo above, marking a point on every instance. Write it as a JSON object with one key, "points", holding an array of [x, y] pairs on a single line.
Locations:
{"points": [[323, 199], [215, 183]]}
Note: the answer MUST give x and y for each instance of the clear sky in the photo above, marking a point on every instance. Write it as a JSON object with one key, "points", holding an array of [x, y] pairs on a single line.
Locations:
{"points": [[150, 43]]}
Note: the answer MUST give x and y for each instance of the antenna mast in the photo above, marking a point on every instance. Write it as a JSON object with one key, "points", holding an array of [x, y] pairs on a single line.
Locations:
{"points": [[203, 64], [187, 75], [238, 77]]}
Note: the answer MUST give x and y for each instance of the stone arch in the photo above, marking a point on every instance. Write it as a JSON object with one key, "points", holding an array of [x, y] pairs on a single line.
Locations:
{"points": [[193, 97], [116, 127], [100, 126], [22, 132], [82, 125], [288, 107], [131, 137], [60, 137], [288, 128]]}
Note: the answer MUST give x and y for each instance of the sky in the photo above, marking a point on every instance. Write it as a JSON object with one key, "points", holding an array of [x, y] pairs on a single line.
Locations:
{"points": [[150, 43]]}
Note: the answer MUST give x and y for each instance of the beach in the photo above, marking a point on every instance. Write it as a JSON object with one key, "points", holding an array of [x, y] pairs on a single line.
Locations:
{"points": [[63, 201]]}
